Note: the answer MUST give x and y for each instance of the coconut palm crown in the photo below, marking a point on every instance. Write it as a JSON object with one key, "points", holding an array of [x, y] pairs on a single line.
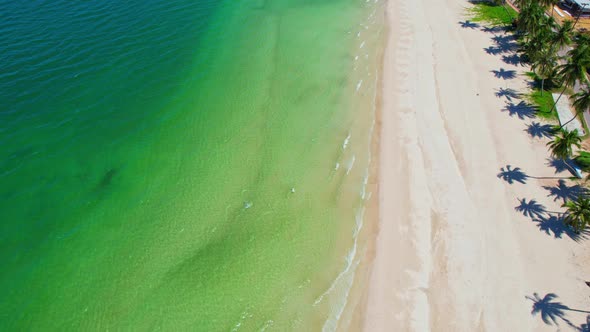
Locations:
{"points": [[564, 35], [582, 100], [543, 64], [563, 143], [577, 215]]}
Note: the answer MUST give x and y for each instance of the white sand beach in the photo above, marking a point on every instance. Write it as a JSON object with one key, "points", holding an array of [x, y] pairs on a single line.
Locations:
{"points": [[452, 252]]}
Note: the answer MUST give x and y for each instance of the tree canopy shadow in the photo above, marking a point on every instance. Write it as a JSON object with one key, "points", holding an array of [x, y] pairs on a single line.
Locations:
{"points": [[553, 225], [564, 192], [531, 208], [536, 129], [513, 59], [506, 43], [504, 74], [512, 175], [558, 164], [522, 110], [494, 29], [495, 50], [508, 93], [504, 40], [561, 165], [516, 174], [499, 49], [585, 327], [551, 310], [469, 25]]}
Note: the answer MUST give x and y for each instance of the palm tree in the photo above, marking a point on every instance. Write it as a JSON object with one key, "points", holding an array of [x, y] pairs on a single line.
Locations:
{"points": [[562, 145], [575, 68], [536, 43], [581, 39], [563, 36], [577, 214], [582, 100], [581, 103], [522, 3], [543, 64], [532, 18]]}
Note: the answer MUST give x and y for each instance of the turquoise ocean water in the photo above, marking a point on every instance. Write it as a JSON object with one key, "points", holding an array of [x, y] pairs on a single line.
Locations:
{"points": [[183, 164]]}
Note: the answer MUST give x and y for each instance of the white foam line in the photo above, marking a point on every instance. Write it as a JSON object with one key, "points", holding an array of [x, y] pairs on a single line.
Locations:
{"points": [[350, 164], [346, 140], [365, 182], [362, 44], [267, 325], [331, 323], [349, 261], [351, 265], [358, 85]]}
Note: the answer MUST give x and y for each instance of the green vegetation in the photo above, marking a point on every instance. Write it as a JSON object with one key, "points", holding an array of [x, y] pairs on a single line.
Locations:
{"points": [[563, 143], [544, 104], [577, 215], [583, 160], [540, 39], [492, 13]]}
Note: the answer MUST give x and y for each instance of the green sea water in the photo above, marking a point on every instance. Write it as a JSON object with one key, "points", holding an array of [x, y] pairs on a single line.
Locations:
{"points": [[183, 164]]}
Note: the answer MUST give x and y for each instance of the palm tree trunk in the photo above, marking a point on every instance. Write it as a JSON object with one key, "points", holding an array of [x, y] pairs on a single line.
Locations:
{"points": [[571, 168], [570, 120], [579, 14], [542, 86], [556, 101]]}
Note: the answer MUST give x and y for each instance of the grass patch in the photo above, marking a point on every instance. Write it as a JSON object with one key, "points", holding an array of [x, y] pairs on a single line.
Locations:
{"points": [[584, 125], [544, 104], [531, 75], [492, 13]]}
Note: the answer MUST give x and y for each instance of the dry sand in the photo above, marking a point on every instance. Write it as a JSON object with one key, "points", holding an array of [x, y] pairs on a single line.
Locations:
{"points": [[452, 253]]}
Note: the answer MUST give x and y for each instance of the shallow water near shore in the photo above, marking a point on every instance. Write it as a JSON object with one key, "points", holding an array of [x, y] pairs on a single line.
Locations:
{"points": [[183, 164]]}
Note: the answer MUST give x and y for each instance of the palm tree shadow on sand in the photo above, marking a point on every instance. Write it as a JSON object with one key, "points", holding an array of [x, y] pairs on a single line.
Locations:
{"points": [[561, 165], [512, 175], [548, 222], [508, 93], [531, 209], [552, 311], [553, 225], [468, 24], [504, 74], [522, 110], [505, 41], [512, 59], [495, 50], [503, 44], [516, 174], [536, 129], [564, 192]]}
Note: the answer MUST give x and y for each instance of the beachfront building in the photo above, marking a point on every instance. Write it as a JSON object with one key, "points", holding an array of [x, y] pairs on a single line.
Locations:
{"points": [[576, 6]]}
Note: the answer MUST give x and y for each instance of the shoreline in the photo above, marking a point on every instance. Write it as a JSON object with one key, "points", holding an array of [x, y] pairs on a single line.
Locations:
{"points": [[351, 317], [451, 251], [355, 306]]}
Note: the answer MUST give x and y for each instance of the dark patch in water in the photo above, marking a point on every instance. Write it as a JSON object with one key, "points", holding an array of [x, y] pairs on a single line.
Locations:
{"points": [[107, 178]]}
